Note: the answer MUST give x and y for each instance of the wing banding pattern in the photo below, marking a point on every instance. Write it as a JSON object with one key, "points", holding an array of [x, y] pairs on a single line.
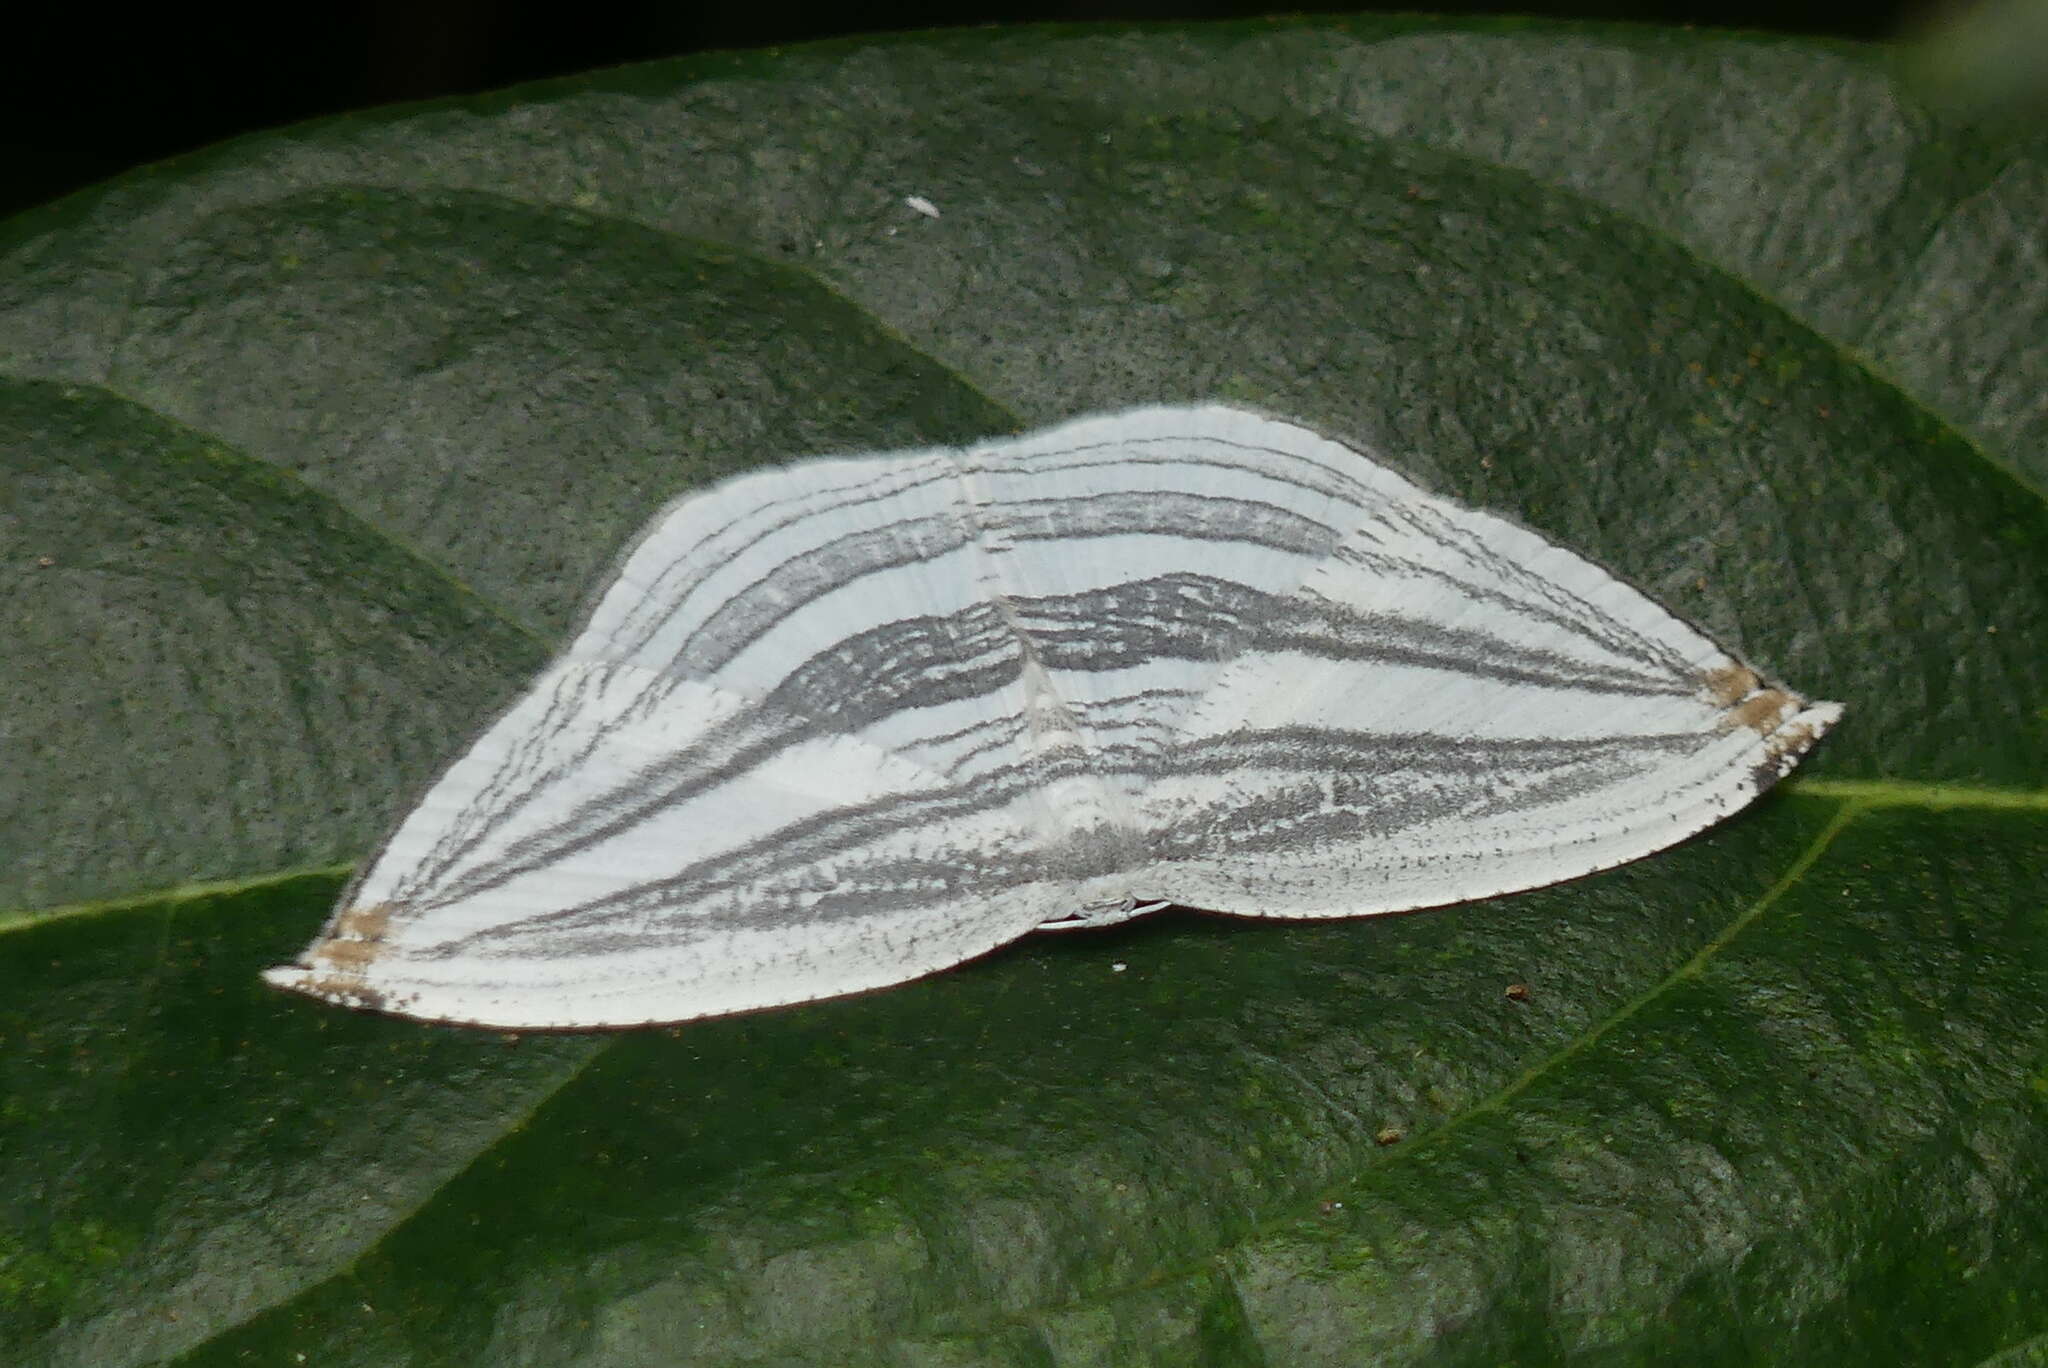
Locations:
{"points": [[843, 723]]}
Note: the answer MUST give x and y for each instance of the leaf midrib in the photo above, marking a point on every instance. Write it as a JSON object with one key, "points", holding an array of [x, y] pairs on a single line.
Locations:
{"points": [[1869, 794]]}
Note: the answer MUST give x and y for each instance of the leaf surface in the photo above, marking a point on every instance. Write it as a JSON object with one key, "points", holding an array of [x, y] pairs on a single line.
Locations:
{"points": [[314, 442]]}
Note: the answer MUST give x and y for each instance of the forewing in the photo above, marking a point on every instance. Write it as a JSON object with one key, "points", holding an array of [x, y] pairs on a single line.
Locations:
{"points": [[625, 847], [783, 760], [1451, 707]]}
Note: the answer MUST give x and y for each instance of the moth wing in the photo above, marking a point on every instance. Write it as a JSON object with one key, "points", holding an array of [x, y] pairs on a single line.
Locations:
{"points": [[835, 727], [624, 847], [1451, 707], [779, 762]]}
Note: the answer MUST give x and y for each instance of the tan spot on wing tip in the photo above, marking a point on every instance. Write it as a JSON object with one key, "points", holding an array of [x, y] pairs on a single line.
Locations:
{"points": [[364, 923], [1747, 701], [1732, 683], [347, 956], [356, 940], [1761, 711]]}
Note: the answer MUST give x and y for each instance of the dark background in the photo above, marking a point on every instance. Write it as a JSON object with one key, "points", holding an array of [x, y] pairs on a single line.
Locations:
{"points": [[134, 89]]}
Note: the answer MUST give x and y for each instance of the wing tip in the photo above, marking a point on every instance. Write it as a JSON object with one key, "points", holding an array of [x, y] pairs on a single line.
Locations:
{"points": [[1801, 726], [333, 968], [293, 978], [1780, 716], [339, 988]]}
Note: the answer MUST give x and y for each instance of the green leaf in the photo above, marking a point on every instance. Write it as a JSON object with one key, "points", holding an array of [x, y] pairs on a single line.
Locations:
{"points": [[310, 445]]}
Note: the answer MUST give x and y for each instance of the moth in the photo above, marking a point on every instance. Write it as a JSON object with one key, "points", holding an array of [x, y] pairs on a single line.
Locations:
{"points": [[839, 724]]}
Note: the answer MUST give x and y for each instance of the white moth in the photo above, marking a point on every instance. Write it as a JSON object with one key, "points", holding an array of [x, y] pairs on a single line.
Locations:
{"points": [[840, 724]]}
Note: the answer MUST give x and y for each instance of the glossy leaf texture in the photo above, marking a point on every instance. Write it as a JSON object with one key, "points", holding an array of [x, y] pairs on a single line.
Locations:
{"points": [[310, 445]]}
